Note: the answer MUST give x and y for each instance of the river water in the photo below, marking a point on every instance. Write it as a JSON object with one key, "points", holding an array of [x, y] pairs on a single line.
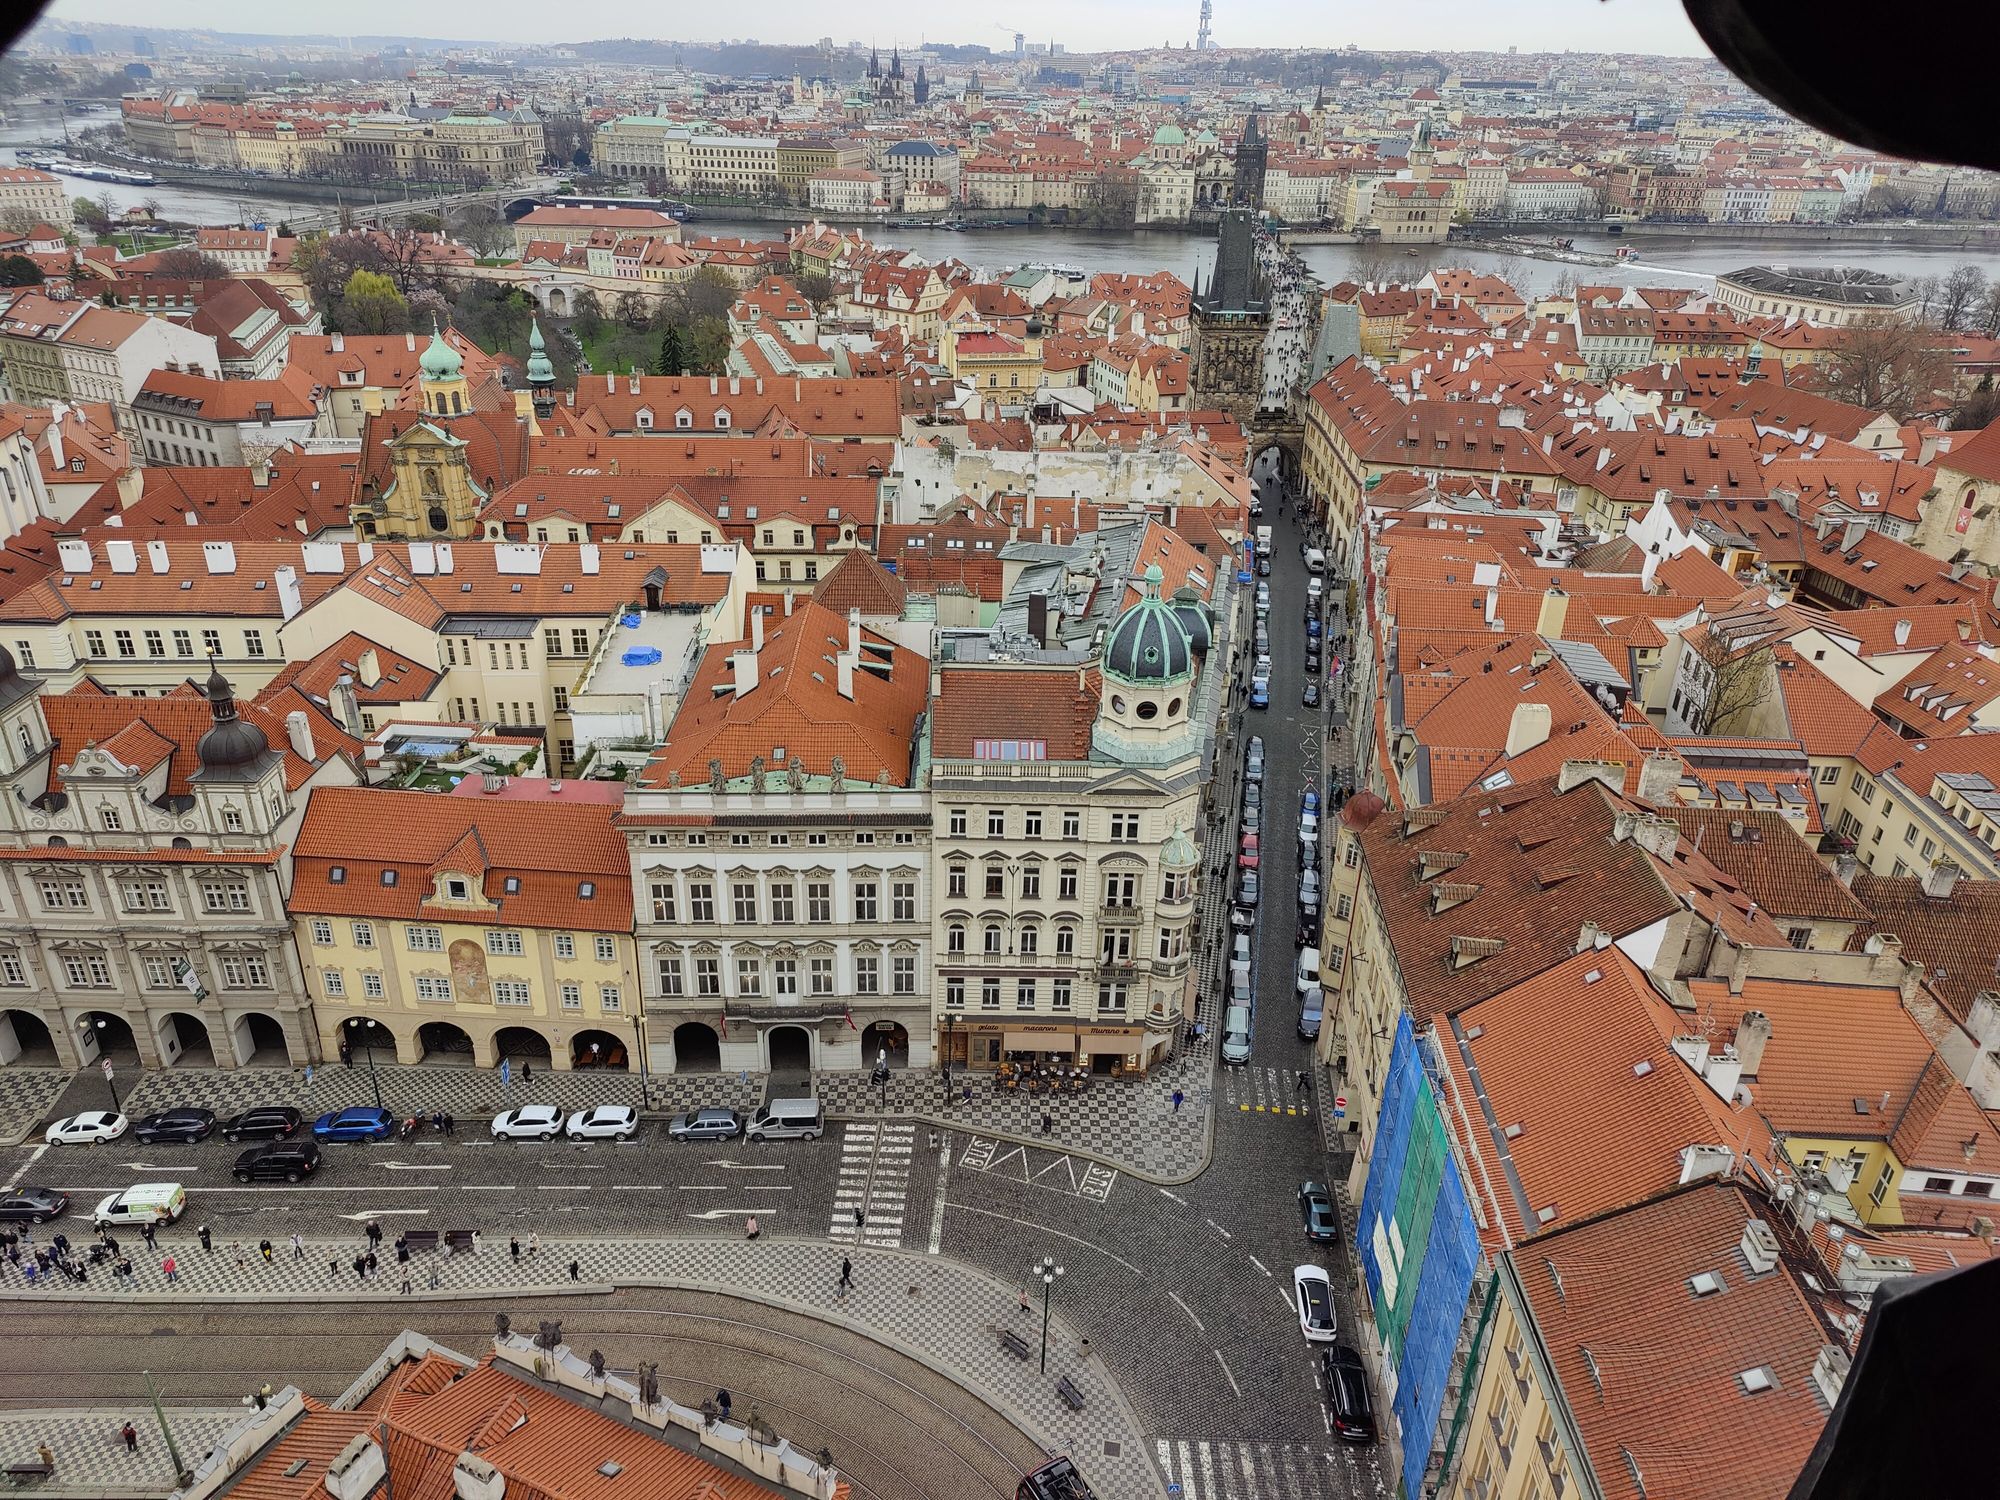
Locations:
{"points": [[1692, 262]]}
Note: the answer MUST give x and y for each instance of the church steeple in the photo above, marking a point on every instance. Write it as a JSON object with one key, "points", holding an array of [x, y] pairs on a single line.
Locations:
{"points": [[874, 63], [541, 371], [441, 375]]}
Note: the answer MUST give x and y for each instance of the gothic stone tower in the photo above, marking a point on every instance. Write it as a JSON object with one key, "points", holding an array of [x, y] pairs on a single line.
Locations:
{"points": [[1232, 315]]}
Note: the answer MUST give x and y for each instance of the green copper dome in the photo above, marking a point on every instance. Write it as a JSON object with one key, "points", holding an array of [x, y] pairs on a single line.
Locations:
{"points": [[441, 361], [1180, 851], [540, 371], [1149, 644]]}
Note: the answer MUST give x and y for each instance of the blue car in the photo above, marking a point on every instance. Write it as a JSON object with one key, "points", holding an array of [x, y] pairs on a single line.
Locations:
{"points": [[1312, 628], [1309, 803], [362, 1123], [1260, 693]]}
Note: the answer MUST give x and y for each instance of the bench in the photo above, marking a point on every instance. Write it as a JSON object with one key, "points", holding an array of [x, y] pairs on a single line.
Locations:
{"points": [[460, 1241], [417, 1241], [29, 1468], [1072, 1397], [1013, 1343]]}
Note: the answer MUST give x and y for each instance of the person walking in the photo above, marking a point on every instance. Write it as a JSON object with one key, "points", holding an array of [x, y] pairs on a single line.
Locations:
{"points": [[264, 1249], [1178, 1098], [332, 1269], [374, 1233], [1305, 1082], [1021, 1296], [860, 1220], [527, 1072], [722, 1404], [1048, 1123], [534, 1242], [201, 1234], [371, 1263], [450, 1125], [360, 1268], [846, 1276], [298, 1246], [514, 1247], [131, 1436], [147, 1233], [575, 1271], [173, 1271], [406, 1287]]}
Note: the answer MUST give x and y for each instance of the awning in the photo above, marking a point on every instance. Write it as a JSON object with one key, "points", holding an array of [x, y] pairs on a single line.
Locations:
{"points": [[1118, 1046], [1039, 1041]]}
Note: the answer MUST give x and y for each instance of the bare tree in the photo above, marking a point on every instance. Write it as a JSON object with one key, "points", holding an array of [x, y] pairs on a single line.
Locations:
{"points": [[1890, 364], [1740, 677], [1958, 294], [1986, 317], [185, 263]]}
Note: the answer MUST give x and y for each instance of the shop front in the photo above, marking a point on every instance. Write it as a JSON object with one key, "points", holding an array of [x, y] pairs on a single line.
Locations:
{"points": [[1051, 1048]]}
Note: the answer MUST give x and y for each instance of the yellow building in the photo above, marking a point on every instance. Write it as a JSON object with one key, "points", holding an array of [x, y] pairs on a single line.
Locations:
{"points": [[1003, 370], [468, 928]]}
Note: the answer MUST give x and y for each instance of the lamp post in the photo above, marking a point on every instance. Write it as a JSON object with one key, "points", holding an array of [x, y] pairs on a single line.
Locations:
{"points": [[645, 1079], [102, 1024], [364, 1026], [181, 1474], [1049, 1271]]}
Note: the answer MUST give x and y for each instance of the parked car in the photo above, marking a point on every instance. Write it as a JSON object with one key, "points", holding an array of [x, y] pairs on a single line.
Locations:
{"points": [[1263, 567], [291, 1161], [1263, 596], [266, 1122], [1312, 659], [1253, 794], [362, 1122], [706, 1125], [1309, 892], [1246, 888], [1316, 1210], [1312, 1299], [1253, 820], [1309, 694], [1347, 1398], [1253, 759], [1247, 856], [182, 1125], [33, 1205], [1309, 802], [1261, 667], [1260, 692], [87, 1129], [531, 1122], [619, 1122]]}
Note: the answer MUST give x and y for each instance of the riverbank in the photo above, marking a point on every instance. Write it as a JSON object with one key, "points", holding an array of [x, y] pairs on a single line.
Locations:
{"points": [[1912, 235]]}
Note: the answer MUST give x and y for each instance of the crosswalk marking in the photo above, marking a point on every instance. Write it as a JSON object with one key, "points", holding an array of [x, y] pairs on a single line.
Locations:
{"points": [[1202, 1470], [874, 1179], [1263, 1091]]}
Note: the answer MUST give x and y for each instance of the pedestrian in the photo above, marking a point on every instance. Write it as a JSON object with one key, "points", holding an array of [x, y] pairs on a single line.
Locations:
{"points": [[131, 1436], [1178, 1097], [1048, 1123], [264, 1249], [47, 1456], [575, 1271], [29, 1273], [147, 1232], [201, 1234], [527, 1072], [846, 1275], [298, 1246], [371, 1263], [450, 1125], [514, 1247], [236, 1248], [406, 1287], [437, 1121], [61, 1242], [534, 1242], [1021, 1296], [750, 1229], [346, 1054], [173, 1271], [1305, 1082], [374, 1233], [722, 1401], [332, 1269], [860, 1219], [360, 1268]]}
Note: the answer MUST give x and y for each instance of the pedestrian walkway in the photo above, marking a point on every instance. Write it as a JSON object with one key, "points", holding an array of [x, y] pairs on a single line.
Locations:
{"points": [[27, 1094], [931, 1308], [1259, 1471], [1275, 1092], [91, 1457]]}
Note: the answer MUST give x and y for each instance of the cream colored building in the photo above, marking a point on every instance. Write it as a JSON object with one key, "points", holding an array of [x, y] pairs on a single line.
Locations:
{"points": [[458, 148], [32, 197]]}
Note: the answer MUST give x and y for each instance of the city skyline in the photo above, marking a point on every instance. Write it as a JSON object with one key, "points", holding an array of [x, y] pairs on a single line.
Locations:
{"points": [[1649, 27]]}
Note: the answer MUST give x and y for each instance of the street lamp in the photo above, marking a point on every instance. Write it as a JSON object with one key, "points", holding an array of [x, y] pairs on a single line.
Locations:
{"points": [[182, 1475], [365, 1027], [645, 1080], [102, 1024], [1048, 1270]]}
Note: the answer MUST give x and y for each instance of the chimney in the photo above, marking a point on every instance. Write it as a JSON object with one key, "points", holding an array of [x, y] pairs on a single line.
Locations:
{"points": [[1587, 936], [260, 471], [341, 701], [1492, 605], [298, 729], [219, 556], [1574, 773], [757, 629], [410, 342], [73, 555], [744, 664], [156, 555], [1554, 613], [1759, 1247], [369, 668], [1902, 632], [1528, 728], [1659, 837], [56, 459], [357, 1471], [443, 556], [843, 666], [1658, 777], [290, 600], [854, 633], [1846, 866], [589, 558], [473, 1478], [491, 783], [340, 343], [1038, 618], [1851, 538], [1940, 879], [1753, 1034]]}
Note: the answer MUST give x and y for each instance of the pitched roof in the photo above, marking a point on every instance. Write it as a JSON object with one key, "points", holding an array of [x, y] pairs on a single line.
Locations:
{"points": [[859, 581], [1763, 853], [1057, 707], [1956, 937]]}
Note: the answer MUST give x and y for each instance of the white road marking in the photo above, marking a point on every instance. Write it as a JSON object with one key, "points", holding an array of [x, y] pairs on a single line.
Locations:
{"points": [[1048, 1229], [1260, 1265], [22, 1171], [1189, 1311], [742, 1166], [409, 1166], [383, 1213], [937, 1205], [1232, 1378], [735, 1213], [1188, 1490], [638, 1187], [153, 1166], [1220, 1230], [562, 1187], [1175, 1196]]}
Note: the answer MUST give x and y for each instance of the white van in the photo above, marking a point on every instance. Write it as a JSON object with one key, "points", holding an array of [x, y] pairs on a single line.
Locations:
{"points": [[1315, 560], [1236, 1034], [143, 1203], [1307, 977], [788, 1120]]}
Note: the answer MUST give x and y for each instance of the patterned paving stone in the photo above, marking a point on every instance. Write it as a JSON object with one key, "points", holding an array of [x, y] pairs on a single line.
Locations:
{"points": [[90, 1456], [26, 1097]]}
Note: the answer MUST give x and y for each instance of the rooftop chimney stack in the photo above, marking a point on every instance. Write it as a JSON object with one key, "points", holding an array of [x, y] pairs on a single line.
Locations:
{"points": [[744, 665], [1753, 1034], [1528, 728], [757, 629], [298, 729], [369, 667], [1941, 879]]}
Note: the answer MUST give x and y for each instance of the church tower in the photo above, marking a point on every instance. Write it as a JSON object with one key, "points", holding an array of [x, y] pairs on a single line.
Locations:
{"points": [[1422, 157], [1252, 156], [541, 372], [441, 377]]}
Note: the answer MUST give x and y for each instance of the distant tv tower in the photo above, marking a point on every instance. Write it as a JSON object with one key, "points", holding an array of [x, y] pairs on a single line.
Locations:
{"points": [[1202, 40]]}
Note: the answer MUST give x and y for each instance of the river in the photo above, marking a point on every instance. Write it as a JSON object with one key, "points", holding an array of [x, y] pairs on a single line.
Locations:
{"points": [[1693, 262]]}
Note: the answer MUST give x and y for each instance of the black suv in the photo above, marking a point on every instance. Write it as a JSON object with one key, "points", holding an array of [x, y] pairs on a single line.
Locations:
{"points": [[294, 1161], [267, 1122], [182, 1125]]}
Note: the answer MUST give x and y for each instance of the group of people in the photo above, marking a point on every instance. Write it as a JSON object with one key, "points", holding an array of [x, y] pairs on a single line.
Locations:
{"points": [[42, 1264]]}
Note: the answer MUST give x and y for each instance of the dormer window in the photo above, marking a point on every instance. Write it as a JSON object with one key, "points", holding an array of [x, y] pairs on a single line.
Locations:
{"points": [[722, 419], [513, 885], [337, 875], [644, 420], [456, 889], [586, 890], [683, 419]]}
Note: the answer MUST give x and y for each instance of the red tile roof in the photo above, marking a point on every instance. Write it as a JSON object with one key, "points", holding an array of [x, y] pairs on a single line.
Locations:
{"points": [[1056, 707]]}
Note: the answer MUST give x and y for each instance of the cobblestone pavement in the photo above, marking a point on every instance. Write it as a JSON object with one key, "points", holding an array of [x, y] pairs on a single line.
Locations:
{"points": [[91, 1459], [27, 1095], [947, 1314]]}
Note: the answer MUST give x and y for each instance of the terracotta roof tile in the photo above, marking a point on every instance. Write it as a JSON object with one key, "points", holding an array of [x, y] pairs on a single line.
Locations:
{"points": [[1056, 707]]}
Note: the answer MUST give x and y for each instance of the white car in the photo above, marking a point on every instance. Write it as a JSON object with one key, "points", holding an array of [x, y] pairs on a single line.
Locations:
{"points": [[616, 1121], [1312, 1293], [87, 1129], [531, 1122]]}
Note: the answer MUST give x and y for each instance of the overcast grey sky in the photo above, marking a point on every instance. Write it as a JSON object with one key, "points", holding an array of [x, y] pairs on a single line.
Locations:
{"points": [[1657, 26]]}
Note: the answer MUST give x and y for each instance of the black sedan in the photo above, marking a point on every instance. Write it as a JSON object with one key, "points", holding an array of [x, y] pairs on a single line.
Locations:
{"points": [[291, 1161], [267, 1122], [179, 1125], [34, 1204], [1316, 1209]]}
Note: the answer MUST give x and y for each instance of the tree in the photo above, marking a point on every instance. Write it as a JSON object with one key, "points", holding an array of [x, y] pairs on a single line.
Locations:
{"points": [[426, 223], [18, 270], [633, 310], [1958, 294], [1986, 318], [90, 214], [709, 293], [1978, 408], [185, 263], [673, 354], [1737, 673], [370, 303], [1888, 364], [815, 286], [708, 346], [482, 227], [586, 313]]}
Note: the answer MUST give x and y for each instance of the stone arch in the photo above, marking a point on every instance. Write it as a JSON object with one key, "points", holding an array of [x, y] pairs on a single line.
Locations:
{"points": [[522, 1044], [556, 300], [26, 1039], [889, 1040], [697, 1048], [444, 1042], [788, 1049], [600, 1051], [259, 1040], [185, 1041]]}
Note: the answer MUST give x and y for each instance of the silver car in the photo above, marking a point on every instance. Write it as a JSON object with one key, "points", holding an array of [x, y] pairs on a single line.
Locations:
{"points": [[706, 1125]]}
